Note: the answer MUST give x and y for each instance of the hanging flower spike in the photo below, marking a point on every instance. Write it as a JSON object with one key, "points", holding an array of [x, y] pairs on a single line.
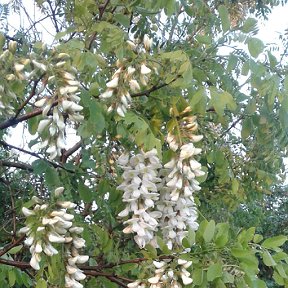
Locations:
{"points": [[55, 226], [140, 193]]}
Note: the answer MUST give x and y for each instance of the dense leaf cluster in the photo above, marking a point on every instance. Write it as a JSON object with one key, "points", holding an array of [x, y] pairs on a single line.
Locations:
{"points": [[203, 59]]}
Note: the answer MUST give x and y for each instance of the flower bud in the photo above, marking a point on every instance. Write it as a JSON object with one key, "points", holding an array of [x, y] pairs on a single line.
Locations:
{"points": [[12, 46], [113, 83], [27, 212], [43, 124], [147, 42], [144, 69], [58, 191]]}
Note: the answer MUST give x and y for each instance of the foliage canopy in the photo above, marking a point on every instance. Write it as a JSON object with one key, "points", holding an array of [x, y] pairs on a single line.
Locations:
{"points": [[113, 107]]}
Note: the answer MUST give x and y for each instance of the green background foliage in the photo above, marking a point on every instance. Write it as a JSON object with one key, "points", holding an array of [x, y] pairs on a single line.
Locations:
{"points": [[239, 98]]}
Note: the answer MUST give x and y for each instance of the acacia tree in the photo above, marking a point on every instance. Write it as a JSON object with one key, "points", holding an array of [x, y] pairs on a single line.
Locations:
{"points": [[173, 134]]}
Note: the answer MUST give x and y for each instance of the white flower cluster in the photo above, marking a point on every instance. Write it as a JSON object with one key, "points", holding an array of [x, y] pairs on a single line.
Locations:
{"points": [[176, 201], [63, 104], [52, 127], [8, 63], [46, 226], [125, 79], [168, 274], [140, 193]]}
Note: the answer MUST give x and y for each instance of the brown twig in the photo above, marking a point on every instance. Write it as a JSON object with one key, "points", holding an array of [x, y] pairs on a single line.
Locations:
{"points": [[70, 151], [53, 16], [102, 9], [152, 89], [10, 246], [13, 121], [19, 165], [232, 126], [32, 93], [55, 165]]}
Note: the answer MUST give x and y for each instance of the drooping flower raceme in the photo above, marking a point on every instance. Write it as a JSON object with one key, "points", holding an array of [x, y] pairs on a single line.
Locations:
{"points": [[176, 201], [54, 77], [173, 203], [127, 79], [12, 68], [47, 227], [169, 273], [57, 110], [140, 180]]}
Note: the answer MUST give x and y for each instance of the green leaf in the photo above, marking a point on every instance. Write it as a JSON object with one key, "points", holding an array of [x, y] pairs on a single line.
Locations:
{"points": [[170, 7], [96, 116], [251, 107], [259, 284], [198, 101], [33, 124], [232, 62], [197, 276], [220, 100], [162, 245], [141, 132], [235, 186], [220, 284], [249, 25], [247, 128], [224, 15], [257, 238], [278, 279], [196, 97], [246, 236], [122, 19], [40, 166], [274, 242], [280, 269], [227, 277], [255, 46], [189, 240], [41, 283], [151, 251], [214, 271], [272, 91], [272, 59], [11, 277], [209, 231], [240, 253], [222, 234], [84, 192], [15, 249], [51, 178], [204, 39], [267, 259], [2, 40]]}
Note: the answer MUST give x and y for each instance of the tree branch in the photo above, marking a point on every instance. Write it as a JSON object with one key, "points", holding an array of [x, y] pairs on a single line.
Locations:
{"points": [[54, 16], [19, 165], [70, 151], [102, 9], [13, 121], [232, 126], [55, 165], [10, 246], [152, 89], [32, 93]]}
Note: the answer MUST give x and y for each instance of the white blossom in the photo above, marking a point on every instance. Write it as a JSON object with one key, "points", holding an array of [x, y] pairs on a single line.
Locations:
{"points": [[113, 83], [147, 42], [140, 192], [144, 69]]}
